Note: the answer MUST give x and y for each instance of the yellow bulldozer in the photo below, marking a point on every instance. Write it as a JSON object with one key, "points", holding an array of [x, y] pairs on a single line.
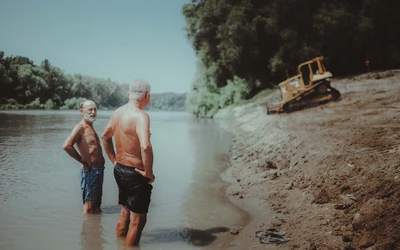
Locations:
{"points": [[310, 87]]}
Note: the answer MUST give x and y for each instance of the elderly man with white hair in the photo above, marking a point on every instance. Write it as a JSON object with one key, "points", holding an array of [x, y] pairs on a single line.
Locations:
{"points": [[85, 138], [133, 160]]}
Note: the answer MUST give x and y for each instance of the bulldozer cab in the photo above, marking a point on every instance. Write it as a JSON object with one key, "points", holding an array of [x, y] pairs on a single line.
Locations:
{"points": [[313, 71], [308, 73]]}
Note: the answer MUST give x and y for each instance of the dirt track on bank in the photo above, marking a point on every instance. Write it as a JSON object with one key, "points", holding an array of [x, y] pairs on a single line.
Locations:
{"points": [[328, 176]]}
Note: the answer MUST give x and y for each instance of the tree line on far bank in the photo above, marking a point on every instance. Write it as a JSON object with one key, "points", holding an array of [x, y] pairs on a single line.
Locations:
{"points": [[244, 47], [24, 85]]}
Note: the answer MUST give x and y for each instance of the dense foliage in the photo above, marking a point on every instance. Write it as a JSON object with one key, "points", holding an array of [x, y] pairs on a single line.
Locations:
{"points": [[255, 42], [167, 102], [26, 85]]}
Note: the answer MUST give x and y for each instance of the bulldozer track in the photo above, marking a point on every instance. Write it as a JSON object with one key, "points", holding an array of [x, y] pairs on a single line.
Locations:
{"points": [[294, 105]]}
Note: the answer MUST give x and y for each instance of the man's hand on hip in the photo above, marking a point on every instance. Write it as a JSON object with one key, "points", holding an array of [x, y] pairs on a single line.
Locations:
{"points": [[147, 175], [86, 166]]}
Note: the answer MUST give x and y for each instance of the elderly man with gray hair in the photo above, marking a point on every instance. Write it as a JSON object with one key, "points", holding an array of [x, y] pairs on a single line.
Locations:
{"points": [[133, 160], [85, 138]]}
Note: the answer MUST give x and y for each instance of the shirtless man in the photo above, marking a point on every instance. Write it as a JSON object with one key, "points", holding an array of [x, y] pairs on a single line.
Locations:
{"points": [[90, 156], [133, 160]]}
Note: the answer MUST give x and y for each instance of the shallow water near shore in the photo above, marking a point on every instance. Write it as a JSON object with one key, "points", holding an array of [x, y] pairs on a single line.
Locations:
{"points": [[40, 198]]}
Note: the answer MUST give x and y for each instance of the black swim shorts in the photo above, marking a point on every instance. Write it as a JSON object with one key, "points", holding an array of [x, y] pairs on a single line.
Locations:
{"points": [[134, 189]]}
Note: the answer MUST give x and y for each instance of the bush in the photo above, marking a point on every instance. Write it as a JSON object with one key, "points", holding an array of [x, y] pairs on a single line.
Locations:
{"points": [[34, 104], [11, 106], [202, 103], [234, 92], [49, 104], [73, 103]]}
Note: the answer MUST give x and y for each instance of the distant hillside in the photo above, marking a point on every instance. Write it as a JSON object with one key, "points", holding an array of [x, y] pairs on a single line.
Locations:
{"points": [[167, 102], [24, 85]]}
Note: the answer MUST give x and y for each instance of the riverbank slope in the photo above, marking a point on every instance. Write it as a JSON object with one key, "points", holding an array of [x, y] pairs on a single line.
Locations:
{"points": [[328, 176]]}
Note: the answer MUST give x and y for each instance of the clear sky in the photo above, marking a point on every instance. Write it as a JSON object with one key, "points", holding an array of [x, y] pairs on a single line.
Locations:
{"points": [[121, 40]]}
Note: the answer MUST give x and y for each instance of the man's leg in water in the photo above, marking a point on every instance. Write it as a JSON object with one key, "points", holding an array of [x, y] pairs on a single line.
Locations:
{"points": [[97, 205], [91, 207], [123, 222], [99, 191], [88, 207], [136, 225]]}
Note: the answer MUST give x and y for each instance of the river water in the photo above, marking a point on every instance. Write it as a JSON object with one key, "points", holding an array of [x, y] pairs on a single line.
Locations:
{"points": [[40, 198]]}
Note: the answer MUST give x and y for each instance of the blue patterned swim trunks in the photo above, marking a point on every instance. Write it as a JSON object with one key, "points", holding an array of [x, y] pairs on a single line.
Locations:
{"points": [[92, 184]]}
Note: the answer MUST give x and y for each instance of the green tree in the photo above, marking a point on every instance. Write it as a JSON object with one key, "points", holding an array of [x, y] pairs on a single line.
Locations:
{"points": [[259, 40]]}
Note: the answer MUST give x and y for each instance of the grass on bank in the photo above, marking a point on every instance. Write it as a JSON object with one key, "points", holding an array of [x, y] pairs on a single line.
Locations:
{"points": [[228, 111]]}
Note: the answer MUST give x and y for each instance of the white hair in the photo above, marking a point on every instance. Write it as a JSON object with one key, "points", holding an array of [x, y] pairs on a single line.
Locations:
{"points": [[86, 102], [138, 89]]}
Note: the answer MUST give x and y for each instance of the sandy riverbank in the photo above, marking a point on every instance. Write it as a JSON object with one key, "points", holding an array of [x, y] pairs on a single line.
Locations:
{"points": [[328, 176]]}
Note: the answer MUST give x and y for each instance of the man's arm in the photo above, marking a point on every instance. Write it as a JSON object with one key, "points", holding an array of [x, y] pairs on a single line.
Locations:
{"points": [[108, 143], [69, 143], [143, 132]]}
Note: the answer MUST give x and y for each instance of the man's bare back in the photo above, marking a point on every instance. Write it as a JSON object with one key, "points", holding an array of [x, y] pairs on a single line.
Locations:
{"points": [[130, 126], [124, 123]]}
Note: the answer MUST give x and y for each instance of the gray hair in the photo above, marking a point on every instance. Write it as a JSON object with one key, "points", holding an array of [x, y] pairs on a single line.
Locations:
{"points": [[84, 102], [138, 89]]}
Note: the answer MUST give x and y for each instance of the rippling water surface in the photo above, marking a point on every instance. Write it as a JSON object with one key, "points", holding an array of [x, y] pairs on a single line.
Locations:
{"points": [[40, 199]]}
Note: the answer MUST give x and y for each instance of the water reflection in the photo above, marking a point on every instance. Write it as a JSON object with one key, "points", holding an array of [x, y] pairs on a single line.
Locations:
{"points": [[110, 209], [121, 246], [92, 233], [202, 238], [192, 236]]}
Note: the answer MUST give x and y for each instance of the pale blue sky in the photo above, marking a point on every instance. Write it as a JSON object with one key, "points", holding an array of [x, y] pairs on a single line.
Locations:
{"points": [[123, 39]]}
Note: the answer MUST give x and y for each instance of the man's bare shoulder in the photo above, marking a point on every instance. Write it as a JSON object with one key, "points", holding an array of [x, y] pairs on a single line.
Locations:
{"points": [[140, 116], [118, 112], [76, 134], [79, 127], [143, 113], [143, 118], [120, 109]]}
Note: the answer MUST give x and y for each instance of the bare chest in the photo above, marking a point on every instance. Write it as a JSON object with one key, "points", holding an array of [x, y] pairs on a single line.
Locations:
{"points": [[90, 137]]}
